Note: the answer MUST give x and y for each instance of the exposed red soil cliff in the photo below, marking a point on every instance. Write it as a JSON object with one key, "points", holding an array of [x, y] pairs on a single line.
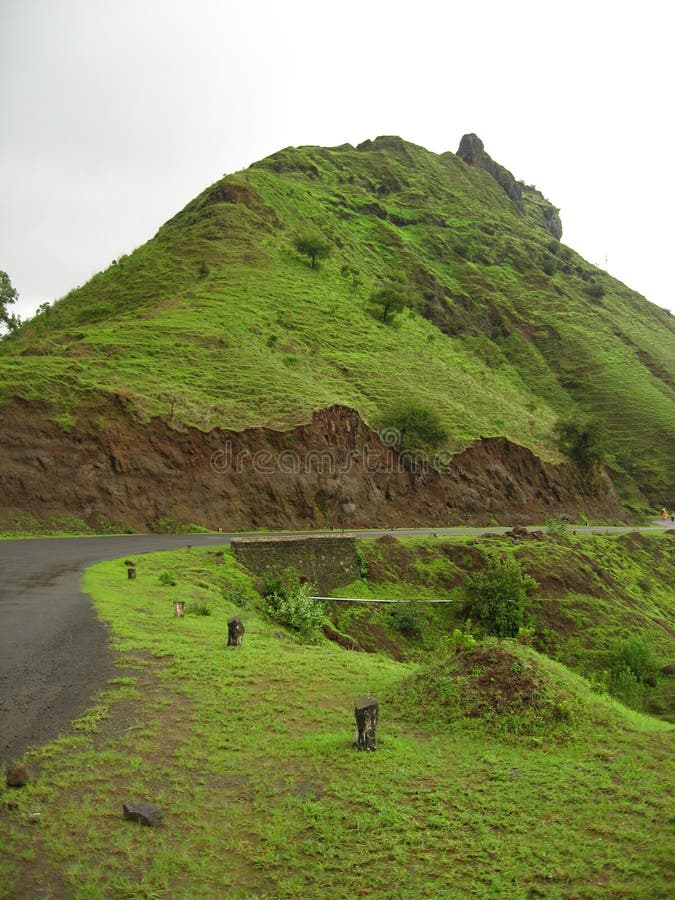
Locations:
{"points": [[331, 471]]}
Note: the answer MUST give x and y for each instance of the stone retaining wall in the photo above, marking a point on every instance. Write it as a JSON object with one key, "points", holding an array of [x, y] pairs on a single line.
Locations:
{"points": [[327, 562]]}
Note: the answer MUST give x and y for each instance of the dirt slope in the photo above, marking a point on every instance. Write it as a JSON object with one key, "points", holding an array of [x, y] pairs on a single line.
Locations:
{"points": [[331, 470]]}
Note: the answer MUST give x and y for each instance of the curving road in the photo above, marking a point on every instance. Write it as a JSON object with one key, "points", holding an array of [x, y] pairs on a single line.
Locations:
{"points": [[54, 652]]}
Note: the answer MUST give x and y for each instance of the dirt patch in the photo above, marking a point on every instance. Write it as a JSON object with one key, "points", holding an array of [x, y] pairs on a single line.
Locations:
{"points": [[500, 681]]}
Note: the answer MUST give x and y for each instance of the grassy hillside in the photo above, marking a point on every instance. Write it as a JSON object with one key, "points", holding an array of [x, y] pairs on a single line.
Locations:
{"points": [[219, 321], [248, 752]]}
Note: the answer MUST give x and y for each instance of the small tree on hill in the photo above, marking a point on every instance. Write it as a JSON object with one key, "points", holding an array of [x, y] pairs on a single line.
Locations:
{"points": [[390, 299], [313, 245], [496, 595], [583, 441], [8, 295], [417, 427]]}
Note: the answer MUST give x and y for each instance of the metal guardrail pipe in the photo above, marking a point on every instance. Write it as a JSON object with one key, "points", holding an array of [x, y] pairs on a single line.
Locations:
{"points": [[373, 600]]}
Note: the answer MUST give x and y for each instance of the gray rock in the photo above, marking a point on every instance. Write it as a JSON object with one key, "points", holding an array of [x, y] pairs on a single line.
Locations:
{"points": [[145, 813]]}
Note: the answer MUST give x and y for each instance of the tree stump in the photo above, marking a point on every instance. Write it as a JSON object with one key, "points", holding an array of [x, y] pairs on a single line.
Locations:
{"points": [[179, 608], [131, 572], [365, 711], [235, 632]]}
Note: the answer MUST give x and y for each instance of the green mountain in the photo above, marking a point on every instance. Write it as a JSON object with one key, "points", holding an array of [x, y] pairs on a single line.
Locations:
{"points": [[219, 329]]}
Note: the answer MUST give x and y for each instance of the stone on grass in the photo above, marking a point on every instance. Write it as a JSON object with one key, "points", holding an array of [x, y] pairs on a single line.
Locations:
{"points": [[366, 710], [144, 813], [17, 775], [131, 572]]}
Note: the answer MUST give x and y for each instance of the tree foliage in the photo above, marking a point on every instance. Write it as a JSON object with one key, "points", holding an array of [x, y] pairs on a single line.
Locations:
{"points": [[313, 245], [390, 299], [417, 427], [8, 295], [582, 440], [496, 595]]}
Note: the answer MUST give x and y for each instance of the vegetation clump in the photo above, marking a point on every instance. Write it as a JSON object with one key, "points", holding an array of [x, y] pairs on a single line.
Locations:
{"points": [[289, 601], [496, 596], [583, 441], [390, 299], [633, 664], [413, 426]]}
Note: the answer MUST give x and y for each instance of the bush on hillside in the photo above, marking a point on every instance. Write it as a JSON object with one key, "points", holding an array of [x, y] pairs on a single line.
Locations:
{"points": [[312, 245], [391, 298], [595, 291], [635, 654], [583, 441], [496, 595], [289, 601], [414, 427]]}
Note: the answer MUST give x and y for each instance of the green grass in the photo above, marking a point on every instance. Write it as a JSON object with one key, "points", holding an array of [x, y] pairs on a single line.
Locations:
{"points": [[248, 751], [218, 321]]}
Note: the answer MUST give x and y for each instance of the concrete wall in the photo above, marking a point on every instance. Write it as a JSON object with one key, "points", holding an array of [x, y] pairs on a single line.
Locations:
{"points": [[327, 562]]}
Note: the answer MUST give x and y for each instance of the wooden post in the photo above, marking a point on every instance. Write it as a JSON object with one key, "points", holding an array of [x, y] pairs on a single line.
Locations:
{"points": [[235, 632], [131, 572], [365, 711], [179, 608]]}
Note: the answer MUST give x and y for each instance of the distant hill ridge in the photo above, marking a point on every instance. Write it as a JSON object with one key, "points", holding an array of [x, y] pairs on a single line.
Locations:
{"points": [[218, 322]]}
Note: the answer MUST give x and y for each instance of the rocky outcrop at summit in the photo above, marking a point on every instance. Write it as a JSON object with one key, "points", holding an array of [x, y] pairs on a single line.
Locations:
{"points": [[472, 151], [527, 198]]}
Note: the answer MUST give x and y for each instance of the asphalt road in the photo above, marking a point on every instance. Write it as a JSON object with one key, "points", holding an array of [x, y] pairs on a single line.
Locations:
{"points": [[54, 652]]}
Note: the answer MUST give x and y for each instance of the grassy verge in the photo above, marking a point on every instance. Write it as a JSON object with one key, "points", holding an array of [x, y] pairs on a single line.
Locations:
{"points": [[248, 752]]}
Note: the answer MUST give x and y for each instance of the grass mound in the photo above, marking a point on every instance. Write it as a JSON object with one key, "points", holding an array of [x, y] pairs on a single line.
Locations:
{"points": [[504, 688]]}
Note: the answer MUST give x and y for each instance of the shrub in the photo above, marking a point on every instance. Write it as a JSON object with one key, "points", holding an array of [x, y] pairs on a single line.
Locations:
{"points": [[200, 608], [548, 267], [288, 601], [626, 687], [583, 441], [410, 620], [167, 579], [236, 598], [497, 594], [312, 245], [163, 525], [635, 654], [362, 564], [390, 299], [595, 290], [296, 610], [416, 427]]}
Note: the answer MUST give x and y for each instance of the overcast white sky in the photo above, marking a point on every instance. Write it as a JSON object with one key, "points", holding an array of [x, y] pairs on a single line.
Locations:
{"points": [[114, 115]]}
